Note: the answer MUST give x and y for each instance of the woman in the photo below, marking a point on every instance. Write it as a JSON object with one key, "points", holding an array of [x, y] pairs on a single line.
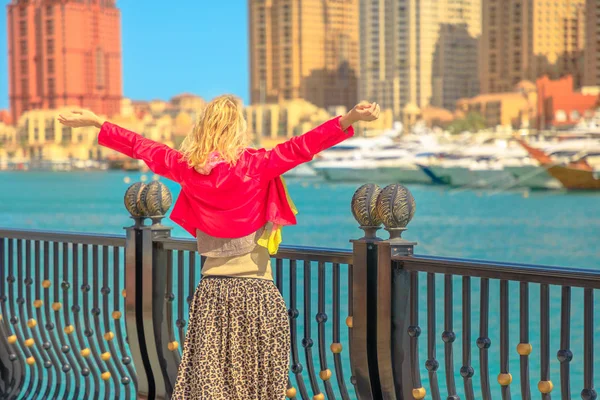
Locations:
{"points": [[234, 202]]}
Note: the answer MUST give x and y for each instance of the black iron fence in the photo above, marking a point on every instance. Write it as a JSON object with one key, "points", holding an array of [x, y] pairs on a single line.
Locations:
{"points": [[105, 316]]}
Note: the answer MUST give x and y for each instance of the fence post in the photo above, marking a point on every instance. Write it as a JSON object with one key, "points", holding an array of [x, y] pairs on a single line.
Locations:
{"points": [[380, 295], [363, 355], [396, 207], [144, 285]]}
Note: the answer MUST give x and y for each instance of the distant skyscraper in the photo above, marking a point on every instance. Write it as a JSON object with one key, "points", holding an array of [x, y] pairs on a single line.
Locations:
{"points": [[65, 53], [592, 44], [423, 52], [304, 49], [525, 39]]}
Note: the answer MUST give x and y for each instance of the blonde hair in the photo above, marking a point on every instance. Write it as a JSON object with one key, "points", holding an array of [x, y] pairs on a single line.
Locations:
{"points": [[221, 128]]}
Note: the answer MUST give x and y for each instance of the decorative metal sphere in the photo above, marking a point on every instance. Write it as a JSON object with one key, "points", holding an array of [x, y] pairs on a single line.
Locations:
{"points": [[414, 331], [564, 356], [65, 285], [293, 313], [10, 279], [28, 281], [126, 360], [170, 297], [14, 320], [46, 345], [75, 308], [66, 368], [448, 337], [105, 290], [297, 368], [125, 380], [395, 206], [47, 364], [12, 357], [589, 394], [95, 311], [432, 365], [49, 326], [88, 332], [132, 199], [364, 205], [155, 199], [85, 287], [484, 343], [467, 371], [65, 349], [180, 323], [321, 318], [20, 301], [85, 372], [307, 343]]}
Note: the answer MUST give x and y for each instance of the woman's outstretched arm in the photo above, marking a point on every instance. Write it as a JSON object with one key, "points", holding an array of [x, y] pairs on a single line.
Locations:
{"points": [[160, 158], [301, 149]]}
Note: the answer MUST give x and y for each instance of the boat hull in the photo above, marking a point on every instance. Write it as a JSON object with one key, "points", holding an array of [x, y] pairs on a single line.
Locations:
{"points": [[457, 176], [493, 178], [347, 174], [575, 179], [402, 174], [534, 177]]}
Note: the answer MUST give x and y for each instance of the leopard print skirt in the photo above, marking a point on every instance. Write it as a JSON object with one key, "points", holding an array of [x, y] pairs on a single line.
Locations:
{"points": [[237, 344]]}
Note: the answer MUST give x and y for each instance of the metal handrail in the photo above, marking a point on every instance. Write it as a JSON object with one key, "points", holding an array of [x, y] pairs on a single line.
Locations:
{"points": [[68, 237], [576, 277], [298, 253]]}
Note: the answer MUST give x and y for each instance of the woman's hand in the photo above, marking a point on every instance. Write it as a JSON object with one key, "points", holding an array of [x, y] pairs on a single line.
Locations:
{"points": [[361, 112], [80, 119]]}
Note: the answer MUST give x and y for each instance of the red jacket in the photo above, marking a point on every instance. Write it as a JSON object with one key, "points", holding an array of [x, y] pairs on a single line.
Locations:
{"points": [[229, 202]]}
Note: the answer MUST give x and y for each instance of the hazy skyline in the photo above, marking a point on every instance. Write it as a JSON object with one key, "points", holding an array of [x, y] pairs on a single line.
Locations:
{"points": [[196, 47]]}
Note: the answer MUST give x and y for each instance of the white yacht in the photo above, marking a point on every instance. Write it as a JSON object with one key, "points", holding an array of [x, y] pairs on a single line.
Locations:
{"points": [[301, 171]]}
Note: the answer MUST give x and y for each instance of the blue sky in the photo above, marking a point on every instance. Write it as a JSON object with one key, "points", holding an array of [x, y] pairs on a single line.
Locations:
{"points": [[203, 48]]}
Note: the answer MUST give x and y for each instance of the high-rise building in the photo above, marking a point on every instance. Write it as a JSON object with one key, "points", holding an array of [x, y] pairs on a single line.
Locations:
{"points": [[65, 53], [304, 49], [419, 52], [526, 39], [592, 44]]}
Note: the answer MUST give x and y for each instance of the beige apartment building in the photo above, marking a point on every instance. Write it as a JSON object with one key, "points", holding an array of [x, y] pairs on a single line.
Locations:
{"points": [[304, 49], [422, 52], [526, 39], [592, 44]]}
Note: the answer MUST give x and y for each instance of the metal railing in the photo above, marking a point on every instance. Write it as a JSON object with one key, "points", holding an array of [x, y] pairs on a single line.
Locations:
{"points": [[105, 316], [61, 305]]}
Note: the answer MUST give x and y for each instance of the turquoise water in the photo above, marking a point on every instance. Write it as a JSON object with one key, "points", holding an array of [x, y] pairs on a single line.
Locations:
{"points": [[552, 228]]}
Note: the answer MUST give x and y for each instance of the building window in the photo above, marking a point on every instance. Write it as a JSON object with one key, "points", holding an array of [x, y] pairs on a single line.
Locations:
{"points": [[49, 10], [50, 46], [50, 66], [24, 87], [24, 67], [51, 86], [49, 132], [23, 28], [575, 116], [22, 12], [50, 27], [23, 47], [67, 135], [99, 68]]}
